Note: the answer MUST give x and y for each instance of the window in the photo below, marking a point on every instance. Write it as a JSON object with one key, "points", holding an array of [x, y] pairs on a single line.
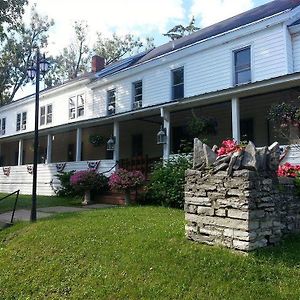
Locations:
{"points": [[72, 109], [76, 106], [137, 94], [21, 121], [2, 126], [111, 102], [49, 114], [242, 66], [177, 84], [46, 114]]}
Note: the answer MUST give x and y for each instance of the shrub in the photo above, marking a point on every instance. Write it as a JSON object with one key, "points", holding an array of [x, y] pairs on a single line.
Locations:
{"points": [[167, 180], [228, 146], [288, 170], [122, 180], [89, 180], [65, 189]]}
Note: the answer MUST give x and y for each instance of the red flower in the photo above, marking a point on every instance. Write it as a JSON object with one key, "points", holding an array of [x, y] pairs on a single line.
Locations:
{"points": [[228, 146], [288, 170]]}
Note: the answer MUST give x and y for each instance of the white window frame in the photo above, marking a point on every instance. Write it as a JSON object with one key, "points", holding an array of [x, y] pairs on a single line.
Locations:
{"points": [[74, 111], [234, 73], [46, 114], [2, 128], [111, 104], [172, 81], [49, 113], [23, 123], [136, 104]]}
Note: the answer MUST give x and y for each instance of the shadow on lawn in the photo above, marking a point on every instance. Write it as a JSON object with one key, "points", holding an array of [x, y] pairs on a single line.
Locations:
{"points": [[286, 252]]}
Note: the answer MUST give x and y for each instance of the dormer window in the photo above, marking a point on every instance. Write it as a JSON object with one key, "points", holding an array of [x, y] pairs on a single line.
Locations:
{"points": [[137, 94], [111, 102], [21, 121], [242, 66], [76, 106]]}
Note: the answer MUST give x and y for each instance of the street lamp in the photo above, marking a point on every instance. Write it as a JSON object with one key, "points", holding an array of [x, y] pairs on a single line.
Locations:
{"points": [[40, 66]]}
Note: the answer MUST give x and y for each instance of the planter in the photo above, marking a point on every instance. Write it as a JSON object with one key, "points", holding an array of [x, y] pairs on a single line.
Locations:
{"points": [[86, 198]]}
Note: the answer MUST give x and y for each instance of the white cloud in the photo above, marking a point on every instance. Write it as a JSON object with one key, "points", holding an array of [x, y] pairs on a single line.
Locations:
{"points": [[212, 11], [141, 17]]}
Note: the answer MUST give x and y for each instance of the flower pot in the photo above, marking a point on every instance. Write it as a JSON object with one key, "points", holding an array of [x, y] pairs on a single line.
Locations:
{"points": [[87, 198]]}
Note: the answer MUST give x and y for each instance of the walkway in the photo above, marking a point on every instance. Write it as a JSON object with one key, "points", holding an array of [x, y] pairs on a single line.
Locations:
{"points": [[24, 214]]}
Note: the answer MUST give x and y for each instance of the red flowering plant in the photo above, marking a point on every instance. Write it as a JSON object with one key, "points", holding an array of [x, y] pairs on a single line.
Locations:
{"points": [[228, 146], [122, 180], [288, 170], [88, 180]]}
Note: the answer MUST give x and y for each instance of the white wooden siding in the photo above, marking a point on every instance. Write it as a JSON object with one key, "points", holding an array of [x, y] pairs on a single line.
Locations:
{"points": [[19, 178]]}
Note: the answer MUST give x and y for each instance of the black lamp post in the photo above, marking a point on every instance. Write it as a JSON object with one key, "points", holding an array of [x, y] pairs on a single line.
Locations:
{"points": [[41, 66]]}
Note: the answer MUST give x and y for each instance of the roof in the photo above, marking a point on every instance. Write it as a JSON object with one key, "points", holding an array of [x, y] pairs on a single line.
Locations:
{"points": [[242, 19]]}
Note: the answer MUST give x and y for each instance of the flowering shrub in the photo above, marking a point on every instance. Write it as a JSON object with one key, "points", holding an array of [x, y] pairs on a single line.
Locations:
{"points": [[122, 180], [88, 180], [288, 170], [228, 146]]}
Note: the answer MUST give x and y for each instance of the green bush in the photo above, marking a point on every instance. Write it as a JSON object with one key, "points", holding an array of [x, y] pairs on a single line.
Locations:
{"points": [[167, 180], [65, 189]]}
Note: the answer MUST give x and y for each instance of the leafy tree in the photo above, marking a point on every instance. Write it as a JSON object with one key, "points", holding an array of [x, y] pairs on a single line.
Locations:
{"points": [[17, 52], [10, 13], [179, 31], [117, 47]]}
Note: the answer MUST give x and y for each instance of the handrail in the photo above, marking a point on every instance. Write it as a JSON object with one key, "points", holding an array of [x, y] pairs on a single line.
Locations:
{"points": [[15, 204]]}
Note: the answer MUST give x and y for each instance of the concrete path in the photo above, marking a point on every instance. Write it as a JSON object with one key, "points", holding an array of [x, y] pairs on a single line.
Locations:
{"points": [[24, 214]]}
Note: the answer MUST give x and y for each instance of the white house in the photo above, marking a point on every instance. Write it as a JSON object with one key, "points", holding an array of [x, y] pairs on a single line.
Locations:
{"points": [[231, 71]]}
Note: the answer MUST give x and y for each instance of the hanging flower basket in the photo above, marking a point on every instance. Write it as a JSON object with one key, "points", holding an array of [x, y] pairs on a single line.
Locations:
{"points": [[97, 140]]}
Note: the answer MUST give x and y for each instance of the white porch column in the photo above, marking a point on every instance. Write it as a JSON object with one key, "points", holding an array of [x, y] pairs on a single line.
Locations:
{"points": [[235, 117], [117, 141], [20, 153], [49, 148], [78, 144], [167, 126]]}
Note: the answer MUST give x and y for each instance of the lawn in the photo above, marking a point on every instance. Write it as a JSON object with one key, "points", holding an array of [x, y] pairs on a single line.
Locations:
{"points": [[136, 253], [24, 202]]}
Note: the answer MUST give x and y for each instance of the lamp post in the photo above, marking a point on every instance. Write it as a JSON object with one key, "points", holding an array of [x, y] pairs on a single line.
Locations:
{"points": [[41, 66]]}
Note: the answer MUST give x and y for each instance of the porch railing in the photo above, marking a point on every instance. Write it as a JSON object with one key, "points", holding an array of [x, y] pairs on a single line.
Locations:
{"points": [[15, 204]]}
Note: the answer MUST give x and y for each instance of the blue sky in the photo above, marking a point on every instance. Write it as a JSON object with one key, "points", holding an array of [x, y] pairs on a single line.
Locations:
{"points": [[140, 17]]}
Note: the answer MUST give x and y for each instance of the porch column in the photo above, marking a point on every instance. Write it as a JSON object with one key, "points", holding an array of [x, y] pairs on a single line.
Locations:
{"points": [[49, 148], [20, 153], [78, 144], [117, 141], [167, 125], [235, 117]]}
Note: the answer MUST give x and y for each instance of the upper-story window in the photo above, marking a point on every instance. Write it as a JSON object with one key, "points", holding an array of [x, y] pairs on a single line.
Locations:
{"points": [[46, 114], [21, 121], [137, 94], [76, 106], [2, 126], [178, 83], [242, 66], [111, 102]]}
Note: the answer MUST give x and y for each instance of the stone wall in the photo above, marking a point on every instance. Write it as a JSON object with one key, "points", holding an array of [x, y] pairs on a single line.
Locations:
{"points": [[244, 211]]}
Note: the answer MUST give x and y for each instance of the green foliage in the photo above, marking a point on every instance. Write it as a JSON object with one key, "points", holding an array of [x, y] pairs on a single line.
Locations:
{"points": [[136, 253], [167, 180], [65, 189], [97, 140], [297, 185], [179, 31]]}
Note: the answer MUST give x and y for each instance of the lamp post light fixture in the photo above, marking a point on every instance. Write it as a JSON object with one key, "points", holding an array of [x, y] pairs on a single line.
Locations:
{"points": [[161, 136], [111, 144], [40, 66]]}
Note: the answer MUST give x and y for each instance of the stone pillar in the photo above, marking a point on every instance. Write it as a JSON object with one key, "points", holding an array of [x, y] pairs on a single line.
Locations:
{"points": [[78, 144], [20, 153], [117, 141], [167, 126], [235, 117], [49, 148]]}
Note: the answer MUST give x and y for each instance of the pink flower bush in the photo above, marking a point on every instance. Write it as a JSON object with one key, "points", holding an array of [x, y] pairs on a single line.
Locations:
{"points": [[288, 170], [126, 180], [228, 146]]}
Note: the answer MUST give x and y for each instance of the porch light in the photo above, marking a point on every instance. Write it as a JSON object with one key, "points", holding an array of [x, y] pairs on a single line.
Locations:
{"points": [[161, 136], [111, 144], [44, 65], [31, 72]]}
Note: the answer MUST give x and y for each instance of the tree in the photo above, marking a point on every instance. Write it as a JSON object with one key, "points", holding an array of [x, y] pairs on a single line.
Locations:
{"points": [[179, 31], [117, 47], [17, 52], [10, 13]]}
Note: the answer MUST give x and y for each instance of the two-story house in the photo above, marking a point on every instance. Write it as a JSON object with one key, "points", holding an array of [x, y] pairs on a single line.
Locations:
{"points": [[232, 71]]}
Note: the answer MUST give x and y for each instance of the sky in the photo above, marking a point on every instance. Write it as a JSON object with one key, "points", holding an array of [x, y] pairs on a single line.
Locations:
{"points": [[139, 17]]}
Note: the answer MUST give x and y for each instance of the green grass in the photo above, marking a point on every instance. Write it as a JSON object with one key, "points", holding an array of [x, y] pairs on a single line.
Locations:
{"points": [[24, 202], [136, 253]]}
